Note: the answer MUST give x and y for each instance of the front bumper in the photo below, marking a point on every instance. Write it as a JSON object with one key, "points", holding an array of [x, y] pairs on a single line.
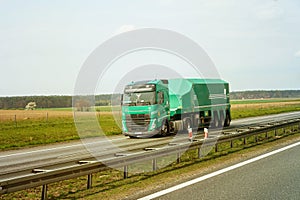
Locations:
{"points": [[146, 134]]}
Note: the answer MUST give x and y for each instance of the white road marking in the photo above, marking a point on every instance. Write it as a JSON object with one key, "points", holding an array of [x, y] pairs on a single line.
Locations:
{"points": [[56, 148], [191, 182]]}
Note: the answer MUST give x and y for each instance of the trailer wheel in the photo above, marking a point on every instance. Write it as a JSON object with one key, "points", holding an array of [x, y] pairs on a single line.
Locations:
{"points": [[222, 120], [186, 124], [216, 122], [165, 129]]}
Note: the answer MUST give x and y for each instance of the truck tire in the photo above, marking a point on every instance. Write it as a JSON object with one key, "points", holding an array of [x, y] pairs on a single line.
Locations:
{"points": [[164, 129], [186, 124], [227, 120], [222, 120], [216, 121]]}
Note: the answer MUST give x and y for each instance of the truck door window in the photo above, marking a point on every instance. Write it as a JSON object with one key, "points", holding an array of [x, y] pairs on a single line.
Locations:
{"points": [[160, 97]]}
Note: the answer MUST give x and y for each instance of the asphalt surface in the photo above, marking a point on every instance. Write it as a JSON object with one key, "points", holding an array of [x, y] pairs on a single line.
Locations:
{"points": [[59, 155], [274, 177]]}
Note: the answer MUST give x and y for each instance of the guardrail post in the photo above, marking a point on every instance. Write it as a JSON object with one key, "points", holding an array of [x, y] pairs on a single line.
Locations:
{"points": [[245, 140], [231, 143], [275, 132], [178, 157], [44, 192], [216, 147], [267, 135], [294, 129], [125, 171], [16, 124], [89, 181], [154, 164]]}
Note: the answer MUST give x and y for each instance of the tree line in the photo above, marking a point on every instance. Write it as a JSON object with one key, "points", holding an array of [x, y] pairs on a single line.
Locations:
{"points": [[20, 102], [259, 94], [65, 101], [41, 102]]}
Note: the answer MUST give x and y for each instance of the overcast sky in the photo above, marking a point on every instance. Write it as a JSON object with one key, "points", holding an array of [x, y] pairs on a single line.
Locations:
{"points": [[255, 44]]}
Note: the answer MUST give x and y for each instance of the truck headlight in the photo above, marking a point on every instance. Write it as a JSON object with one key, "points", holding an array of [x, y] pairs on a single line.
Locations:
{"points": [[153, 125]]}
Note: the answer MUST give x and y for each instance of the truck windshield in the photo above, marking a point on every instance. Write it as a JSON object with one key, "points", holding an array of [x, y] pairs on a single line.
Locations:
{"points": [[139, 98]]}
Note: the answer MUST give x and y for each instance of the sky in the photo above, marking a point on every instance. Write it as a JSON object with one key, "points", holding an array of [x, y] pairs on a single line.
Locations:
{"points": [[254, 44]]}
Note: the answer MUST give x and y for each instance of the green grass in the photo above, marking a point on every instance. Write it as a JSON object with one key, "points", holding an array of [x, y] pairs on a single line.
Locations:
{"points": [[253, 101], [34, 132], [109, 125], [260, 111]]}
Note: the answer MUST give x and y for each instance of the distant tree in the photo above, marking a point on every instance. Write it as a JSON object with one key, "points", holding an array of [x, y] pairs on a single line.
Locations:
{"points": [[30, 106]]}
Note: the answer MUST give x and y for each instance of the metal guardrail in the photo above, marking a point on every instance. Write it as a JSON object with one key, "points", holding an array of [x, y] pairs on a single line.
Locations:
{"points": [[40, 177]]}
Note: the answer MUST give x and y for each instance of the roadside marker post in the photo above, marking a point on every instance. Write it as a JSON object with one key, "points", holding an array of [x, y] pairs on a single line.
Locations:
{"points": [[205, 133], [190, 131]]}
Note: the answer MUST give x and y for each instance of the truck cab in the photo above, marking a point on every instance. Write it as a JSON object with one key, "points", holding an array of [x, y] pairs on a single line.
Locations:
{"points": [[146, 108]]}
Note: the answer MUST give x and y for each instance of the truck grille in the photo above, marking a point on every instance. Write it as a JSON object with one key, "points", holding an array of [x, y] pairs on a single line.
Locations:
{"points": [[137, 122]]}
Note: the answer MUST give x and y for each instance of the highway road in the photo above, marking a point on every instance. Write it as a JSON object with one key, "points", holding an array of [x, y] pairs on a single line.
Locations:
{"points": [[274, 177], [30, 158]]}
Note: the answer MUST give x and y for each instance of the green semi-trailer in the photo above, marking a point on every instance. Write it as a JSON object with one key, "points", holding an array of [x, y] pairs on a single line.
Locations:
{"points": [[162, 107]]}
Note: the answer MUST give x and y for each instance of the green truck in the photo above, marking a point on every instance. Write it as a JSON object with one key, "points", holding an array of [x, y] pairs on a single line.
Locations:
{"points": [[162, 107]]}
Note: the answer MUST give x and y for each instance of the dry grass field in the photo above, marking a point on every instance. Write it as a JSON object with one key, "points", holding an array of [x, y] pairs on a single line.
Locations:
{"points": [[33, 114], [20, 115], [265, 105]]}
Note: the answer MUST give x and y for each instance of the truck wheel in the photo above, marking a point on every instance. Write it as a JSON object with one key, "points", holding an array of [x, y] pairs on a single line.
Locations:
{"points": [[164, 130], [227, 120]]}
